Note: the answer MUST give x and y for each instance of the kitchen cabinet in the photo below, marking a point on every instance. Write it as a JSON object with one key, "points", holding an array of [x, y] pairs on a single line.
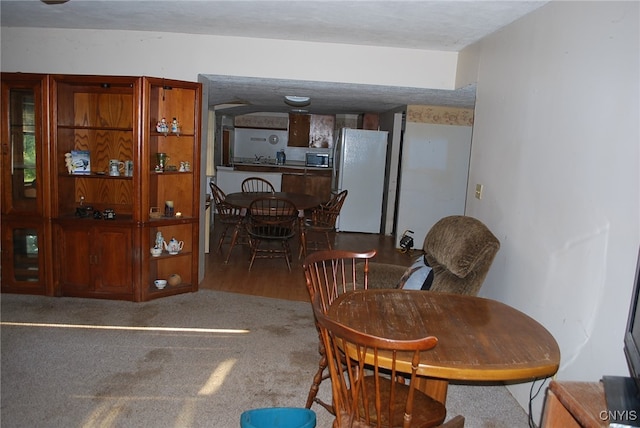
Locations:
{"points": [[299, 127], [24, 209], [317, 184], [369, 121], [230, 180], [321, 130], [311, 130]]}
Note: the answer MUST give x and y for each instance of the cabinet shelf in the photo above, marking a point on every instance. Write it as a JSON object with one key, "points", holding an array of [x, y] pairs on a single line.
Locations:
{"points": [[170, 134], [169, 290], [171, 172], [167, 221], [120, 220], [96, 175], [166, 255], [96, 128]]}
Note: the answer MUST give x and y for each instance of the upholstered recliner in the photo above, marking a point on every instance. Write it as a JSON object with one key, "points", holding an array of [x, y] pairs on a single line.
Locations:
{"points": [[459, 249]]}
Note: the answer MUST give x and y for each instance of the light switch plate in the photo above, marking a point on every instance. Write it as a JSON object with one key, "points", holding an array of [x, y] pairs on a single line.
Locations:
{"points": [[479, 188]]}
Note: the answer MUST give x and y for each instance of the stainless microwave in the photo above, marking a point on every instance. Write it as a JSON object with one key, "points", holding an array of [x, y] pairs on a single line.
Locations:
{"points": [[318, 160]]}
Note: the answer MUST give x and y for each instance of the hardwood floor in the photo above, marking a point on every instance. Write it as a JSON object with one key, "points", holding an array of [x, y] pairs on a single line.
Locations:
{"points": [[271, 278]]}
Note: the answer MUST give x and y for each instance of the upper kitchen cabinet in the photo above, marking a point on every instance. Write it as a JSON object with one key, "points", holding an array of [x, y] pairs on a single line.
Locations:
{"points": [[321, 131], [299, 127], [311, 130], [25, 183]]}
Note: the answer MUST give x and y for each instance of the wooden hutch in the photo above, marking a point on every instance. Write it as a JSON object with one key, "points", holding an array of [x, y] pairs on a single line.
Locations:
{"points": [[89, 233]]}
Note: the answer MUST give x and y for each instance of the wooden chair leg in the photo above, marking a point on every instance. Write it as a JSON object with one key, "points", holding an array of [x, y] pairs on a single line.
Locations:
{"points": [[287, 253], [254, 250], [302, 254], [222, 236], [234, 238], [317, 380]]}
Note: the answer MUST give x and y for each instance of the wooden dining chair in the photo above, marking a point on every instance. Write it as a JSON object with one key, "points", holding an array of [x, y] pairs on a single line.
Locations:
{"points": [[328, 274], [322, 221], [229, 217], [369, 391], [271, 219], [257, 184]]}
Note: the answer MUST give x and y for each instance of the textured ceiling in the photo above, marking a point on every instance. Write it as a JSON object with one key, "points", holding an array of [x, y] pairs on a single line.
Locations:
{"points": [[446, 25]]}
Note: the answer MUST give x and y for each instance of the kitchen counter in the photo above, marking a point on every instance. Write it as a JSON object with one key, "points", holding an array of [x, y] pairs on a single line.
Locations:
{"points": [[293, 176], [269, 165]]}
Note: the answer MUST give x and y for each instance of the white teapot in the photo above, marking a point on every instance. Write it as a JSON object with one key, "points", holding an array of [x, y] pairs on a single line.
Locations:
{"points": [[174, 246]]}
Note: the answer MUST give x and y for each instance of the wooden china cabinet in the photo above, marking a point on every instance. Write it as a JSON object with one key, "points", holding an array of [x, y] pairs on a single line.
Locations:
{"points": [[99, 225]]}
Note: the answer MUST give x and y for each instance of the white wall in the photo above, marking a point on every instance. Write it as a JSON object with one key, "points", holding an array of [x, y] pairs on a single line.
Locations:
{"points": [[556, 145], [184, 56]]}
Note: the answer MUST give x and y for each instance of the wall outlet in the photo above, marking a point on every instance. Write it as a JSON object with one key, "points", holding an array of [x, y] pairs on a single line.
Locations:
{"points": [[479, 188]]}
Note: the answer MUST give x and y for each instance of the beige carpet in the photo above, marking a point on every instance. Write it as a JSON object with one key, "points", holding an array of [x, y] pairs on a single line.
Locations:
{"points": [[92, 363]]}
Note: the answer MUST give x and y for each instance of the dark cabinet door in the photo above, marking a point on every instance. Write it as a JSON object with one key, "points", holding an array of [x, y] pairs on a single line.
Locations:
{"points": [[299, 128], [75, 259], [95, 260], [311, 184], [22, 265], [319, 186], [294, 183], [113, 261]]}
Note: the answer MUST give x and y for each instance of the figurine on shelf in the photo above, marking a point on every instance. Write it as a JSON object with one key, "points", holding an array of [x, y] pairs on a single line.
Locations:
{"points": [[159, 240], [162, 126], [175, 126], [68, 161]]}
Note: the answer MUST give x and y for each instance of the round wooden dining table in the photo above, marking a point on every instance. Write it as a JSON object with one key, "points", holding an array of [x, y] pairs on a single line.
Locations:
{"points": [[478, 339], [302, 201]]}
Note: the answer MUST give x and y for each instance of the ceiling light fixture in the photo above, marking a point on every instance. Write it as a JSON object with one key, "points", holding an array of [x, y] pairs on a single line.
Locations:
{"points": [[296, 101]]}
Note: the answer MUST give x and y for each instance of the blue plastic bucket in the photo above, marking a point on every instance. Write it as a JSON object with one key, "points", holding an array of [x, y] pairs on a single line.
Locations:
{"points": [[278, 417]]}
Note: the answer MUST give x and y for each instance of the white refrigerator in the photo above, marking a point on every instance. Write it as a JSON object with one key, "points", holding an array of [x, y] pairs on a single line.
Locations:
{"points": [[359, 161]]}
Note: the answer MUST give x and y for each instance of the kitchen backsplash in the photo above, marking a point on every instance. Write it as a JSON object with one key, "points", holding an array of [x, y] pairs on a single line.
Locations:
{"points": [[248, 143]]}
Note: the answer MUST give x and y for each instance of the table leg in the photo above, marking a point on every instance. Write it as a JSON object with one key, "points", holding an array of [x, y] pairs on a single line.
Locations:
{"points": [[434, 388]]}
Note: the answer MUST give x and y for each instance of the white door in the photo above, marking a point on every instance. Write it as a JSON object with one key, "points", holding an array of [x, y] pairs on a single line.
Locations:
{"points": [[434, 174]]}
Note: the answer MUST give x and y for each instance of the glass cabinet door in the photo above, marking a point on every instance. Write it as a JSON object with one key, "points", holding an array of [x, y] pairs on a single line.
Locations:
{"points": [[21, 154], [23, 209], [25, 264]]}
